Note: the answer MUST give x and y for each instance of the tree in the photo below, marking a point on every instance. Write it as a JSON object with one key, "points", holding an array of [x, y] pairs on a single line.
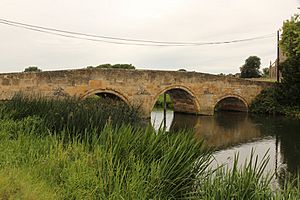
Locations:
{"points": [[32, 69], [116, 66], [290, 84], [251, 68], [290, 44], [266, 72], [284, 97], [290, 38]]}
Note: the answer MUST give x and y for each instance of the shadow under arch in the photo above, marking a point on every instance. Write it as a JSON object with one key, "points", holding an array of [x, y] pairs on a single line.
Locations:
{"points": [[183, 99], [230, 102], [109, 94]]}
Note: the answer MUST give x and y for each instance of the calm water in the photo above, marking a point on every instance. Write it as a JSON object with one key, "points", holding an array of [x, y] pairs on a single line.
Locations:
{"points": [[231, 133]]}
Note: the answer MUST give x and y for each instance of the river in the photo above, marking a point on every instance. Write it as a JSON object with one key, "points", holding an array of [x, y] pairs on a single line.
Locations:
{"points": [[230, 133]]}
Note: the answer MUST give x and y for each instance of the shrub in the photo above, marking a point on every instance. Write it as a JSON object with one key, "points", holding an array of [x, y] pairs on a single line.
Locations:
{"points": [[266, 102], [32, 69]]}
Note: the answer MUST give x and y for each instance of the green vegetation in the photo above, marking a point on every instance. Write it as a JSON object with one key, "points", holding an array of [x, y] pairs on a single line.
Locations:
{"points": [[251, 67], [266, 72], [116, 66], [78, 160], [43, 158], [284, 97], [32, 69], [245, 183], [120, 163], [160, 102], [71, 113], [290, 38]]}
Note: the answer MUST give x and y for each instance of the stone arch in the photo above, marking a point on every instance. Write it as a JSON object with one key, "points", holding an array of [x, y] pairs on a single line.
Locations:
{"points": [[183, 98], [232, 102], [106, 91]]}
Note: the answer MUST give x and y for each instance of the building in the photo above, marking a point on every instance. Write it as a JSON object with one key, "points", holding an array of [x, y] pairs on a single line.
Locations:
{"points": [[273, 66]]}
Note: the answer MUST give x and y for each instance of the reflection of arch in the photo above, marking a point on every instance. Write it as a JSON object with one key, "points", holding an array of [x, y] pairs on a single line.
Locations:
{"points": [[104, 91], [182, 97], [232, 102]]}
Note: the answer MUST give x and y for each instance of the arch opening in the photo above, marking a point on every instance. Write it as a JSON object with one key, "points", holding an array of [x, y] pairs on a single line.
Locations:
{"points": [[231, 104], [178, 101], [106, 97]]}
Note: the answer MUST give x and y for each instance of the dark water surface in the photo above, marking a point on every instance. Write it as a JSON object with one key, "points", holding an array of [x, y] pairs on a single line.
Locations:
{"points": [[230, 133]]}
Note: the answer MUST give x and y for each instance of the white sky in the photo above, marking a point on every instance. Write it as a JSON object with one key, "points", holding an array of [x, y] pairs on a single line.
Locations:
{"points": [[167, 20]]}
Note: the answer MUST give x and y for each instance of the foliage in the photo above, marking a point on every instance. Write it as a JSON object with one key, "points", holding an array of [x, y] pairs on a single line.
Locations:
{"points": [[116, 66], [290, 84], [71, 113], [290, 188], [120, 163], [290, 38], [237, 183], [32, 69], [251, 68], [266, 72], [160, 102], [266, 102], [271, 101], [285, 97]]}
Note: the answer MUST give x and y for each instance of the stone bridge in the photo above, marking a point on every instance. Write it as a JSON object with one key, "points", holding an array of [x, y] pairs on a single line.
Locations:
{"points": [[190, 92]]}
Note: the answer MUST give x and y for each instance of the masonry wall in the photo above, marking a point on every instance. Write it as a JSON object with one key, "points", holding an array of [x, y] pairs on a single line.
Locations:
{"points": [[136, 87]]}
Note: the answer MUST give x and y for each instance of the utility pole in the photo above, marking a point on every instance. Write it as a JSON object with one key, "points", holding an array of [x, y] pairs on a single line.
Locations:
{"points": [[277, 63]]}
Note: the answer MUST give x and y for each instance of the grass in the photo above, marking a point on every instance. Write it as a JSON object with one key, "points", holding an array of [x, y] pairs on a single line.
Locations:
{"points": [[18, 184], [115, 163], [263, 79], [247, 182], [46, 156]]}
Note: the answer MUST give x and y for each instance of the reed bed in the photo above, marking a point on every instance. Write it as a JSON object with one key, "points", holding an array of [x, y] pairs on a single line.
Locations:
{"points": [[72, 114], [114, 163], [47, 154]]}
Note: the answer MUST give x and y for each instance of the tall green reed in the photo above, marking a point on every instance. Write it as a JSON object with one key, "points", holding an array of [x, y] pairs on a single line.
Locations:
{"points": [[71, 114], [249, 181], [80, 150], [114, 163]]}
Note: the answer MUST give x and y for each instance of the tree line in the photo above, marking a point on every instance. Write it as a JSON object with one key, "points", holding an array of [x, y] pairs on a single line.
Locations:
{"points": [[102, 66]]}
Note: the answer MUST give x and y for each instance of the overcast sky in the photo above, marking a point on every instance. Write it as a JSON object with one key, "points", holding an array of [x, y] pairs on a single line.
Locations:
{"points": [[163, 20]]}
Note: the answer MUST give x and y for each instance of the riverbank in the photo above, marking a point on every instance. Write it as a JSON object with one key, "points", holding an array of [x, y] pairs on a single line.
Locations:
{"points": [[270, 101], [44, 158]]}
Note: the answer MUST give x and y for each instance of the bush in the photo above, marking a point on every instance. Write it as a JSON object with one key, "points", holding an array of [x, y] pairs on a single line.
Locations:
{"points": [[290, 86], [32, 69], [116, 66], [266, 102]]}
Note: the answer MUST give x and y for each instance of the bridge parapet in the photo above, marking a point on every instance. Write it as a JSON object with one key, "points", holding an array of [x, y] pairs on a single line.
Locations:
{"points": [[191, 92]]}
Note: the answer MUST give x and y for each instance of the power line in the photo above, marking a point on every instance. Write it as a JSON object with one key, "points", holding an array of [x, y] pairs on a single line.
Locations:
{"points": [[118, 40], [89, 39]]}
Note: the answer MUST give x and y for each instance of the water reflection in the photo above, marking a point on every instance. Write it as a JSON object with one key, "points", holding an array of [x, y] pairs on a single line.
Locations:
{"points": [[230, 133]]}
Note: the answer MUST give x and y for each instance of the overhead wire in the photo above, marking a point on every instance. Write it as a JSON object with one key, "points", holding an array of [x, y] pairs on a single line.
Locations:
{"points": [[89, 39], [122, 41]]}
